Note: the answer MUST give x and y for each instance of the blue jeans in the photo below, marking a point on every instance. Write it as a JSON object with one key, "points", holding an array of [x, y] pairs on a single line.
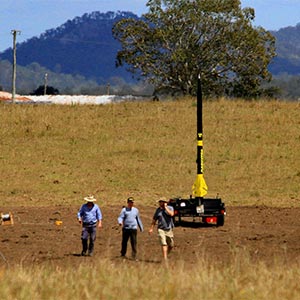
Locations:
{"points": [[88, 233]]}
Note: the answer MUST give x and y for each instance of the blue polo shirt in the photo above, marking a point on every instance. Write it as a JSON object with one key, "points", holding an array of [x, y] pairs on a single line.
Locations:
{"points": [[89, 216]]}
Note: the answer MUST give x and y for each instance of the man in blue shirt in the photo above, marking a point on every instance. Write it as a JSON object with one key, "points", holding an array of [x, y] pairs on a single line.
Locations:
{"points": [[130, 220], [164, 217], [90, 217]]}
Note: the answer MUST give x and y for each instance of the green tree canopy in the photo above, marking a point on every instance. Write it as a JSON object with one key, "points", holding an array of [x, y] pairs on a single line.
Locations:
{"points": [[50, 90], [177, 39]]}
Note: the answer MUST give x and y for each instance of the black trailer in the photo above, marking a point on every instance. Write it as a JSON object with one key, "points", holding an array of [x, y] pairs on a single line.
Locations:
{"points": [[210, 211]]}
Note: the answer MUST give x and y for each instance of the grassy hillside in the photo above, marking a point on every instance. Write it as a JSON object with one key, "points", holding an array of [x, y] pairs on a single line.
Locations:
{"points": [[57, 154]]}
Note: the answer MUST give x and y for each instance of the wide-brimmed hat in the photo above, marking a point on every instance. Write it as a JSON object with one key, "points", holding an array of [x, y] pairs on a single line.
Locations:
{"points": [[130, 199], [90, 199], [162, 199]]}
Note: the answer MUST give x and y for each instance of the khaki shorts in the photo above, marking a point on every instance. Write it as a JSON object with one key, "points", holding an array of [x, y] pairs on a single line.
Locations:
{"points": [[166, 237]]}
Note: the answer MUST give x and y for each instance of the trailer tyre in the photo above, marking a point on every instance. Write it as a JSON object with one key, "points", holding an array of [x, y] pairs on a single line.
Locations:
{"points": [[177, 220], [220, 220]]}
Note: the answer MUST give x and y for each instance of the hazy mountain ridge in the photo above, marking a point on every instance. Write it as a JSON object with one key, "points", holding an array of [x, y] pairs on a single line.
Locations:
{"points": [[288, 51], [82, 46]]}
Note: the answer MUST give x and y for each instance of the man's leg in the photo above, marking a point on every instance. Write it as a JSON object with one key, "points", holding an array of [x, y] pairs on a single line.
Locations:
{"points": [[163, 242], [165, 251], [170, 240], [133, 241], [84, 240], [125, 237], [92, 232]]}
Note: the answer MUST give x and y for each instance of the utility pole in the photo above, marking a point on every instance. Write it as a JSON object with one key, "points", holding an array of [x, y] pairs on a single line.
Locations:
{"points": [[45, 84], [107, 89], [14, 33]]}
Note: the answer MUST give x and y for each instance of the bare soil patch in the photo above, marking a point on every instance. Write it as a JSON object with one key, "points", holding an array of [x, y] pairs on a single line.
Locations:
{"points": [[267, 234]]}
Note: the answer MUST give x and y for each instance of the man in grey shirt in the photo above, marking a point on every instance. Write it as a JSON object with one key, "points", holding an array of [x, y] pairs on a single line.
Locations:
{"points": [[130, 220], [164, 217]]}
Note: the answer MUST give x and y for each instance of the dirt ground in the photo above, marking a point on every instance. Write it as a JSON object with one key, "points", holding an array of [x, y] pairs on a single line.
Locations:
{"points": [[264, 233]]}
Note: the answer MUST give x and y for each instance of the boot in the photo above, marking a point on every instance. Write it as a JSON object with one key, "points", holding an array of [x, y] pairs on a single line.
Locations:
{"points": [[84, 247]]}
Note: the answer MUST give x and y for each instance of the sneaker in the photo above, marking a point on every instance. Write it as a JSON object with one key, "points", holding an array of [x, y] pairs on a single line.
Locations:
{"points": [[90, 254], [83, 253]]}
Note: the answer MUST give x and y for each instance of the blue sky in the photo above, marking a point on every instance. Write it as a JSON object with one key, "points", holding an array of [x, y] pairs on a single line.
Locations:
{"points": [[33, 17]]}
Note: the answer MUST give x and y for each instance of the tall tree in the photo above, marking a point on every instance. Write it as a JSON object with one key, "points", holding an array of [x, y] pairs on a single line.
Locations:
{"points": [[177, 39]]}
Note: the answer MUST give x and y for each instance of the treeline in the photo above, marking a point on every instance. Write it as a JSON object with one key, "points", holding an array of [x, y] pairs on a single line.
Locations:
{"points": [[288, 86], [31, 77]]}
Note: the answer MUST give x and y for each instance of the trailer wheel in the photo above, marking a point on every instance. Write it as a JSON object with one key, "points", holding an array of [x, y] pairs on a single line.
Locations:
{"points": [[177, 220], [220, 220]]}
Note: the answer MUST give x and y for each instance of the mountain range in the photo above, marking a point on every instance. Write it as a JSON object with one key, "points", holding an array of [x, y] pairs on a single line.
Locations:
{"points": [[85, 47], [288, 51]]}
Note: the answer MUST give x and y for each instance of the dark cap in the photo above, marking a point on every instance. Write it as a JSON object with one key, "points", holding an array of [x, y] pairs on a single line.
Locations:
{"points": [[130, 199]]}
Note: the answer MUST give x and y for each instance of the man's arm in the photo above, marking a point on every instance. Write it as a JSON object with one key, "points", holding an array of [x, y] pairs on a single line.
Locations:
{"points": [[79, 218], [139, 221], [169, 210], [152, 226], [99, 217], [99, 223], [121, 217]]}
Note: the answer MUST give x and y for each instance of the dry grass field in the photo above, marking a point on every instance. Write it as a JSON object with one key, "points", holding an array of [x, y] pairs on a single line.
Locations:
{"points": [[51, 156], [57, 154]]}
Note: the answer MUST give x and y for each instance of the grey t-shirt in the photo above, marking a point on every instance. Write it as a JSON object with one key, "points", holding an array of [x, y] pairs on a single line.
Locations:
{"points": [[164, 220]]}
